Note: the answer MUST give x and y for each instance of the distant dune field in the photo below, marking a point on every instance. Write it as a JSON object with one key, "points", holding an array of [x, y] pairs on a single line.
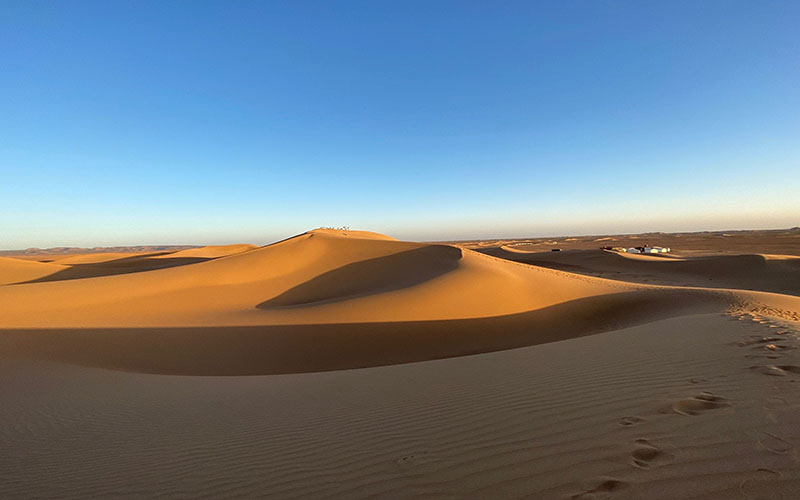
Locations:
{"points": [[348, 364]]}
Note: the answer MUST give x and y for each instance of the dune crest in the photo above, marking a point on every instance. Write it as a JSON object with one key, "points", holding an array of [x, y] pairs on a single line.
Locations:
{"points": [[351, 234], [208, 252]]}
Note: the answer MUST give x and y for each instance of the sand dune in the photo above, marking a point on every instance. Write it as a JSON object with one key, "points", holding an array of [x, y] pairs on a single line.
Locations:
{"points": [[751, 272], [271, 349], [332, 300], [17, 270], [92, 265], [80, 267], [664, 410], [383, 368], [102, 258], [335, 278]]}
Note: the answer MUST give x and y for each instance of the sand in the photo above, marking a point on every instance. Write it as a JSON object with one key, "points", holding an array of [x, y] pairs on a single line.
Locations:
{"points": [[345, 364], [14, 270], [765, 272]]}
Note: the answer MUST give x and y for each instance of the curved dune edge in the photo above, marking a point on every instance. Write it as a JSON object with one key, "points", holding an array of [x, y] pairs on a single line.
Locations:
{"points": [[105, 257], [17, 270], [208, 252], [516, 249], [780, 274], [269, 350], [94, 265]]}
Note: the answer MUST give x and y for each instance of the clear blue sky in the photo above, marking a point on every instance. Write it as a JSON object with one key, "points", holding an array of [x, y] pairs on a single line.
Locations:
{"points": [[214, 122]]}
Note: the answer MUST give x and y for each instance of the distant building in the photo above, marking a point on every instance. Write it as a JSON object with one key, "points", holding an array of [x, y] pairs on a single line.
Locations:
{"points": [[647, 249], [644, 249]]}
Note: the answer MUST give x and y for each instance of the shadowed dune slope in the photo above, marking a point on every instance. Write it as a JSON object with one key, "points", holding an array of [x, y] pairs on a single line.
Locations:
{"points": [[261, 350], [81, 266], [381, 274], [104, 258], [780, 274], [123, 265]]}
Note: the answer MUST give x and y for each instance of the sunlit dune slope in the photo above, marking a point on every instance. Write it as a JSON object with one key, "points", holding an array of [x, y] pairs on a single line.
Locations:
{"points": [[317, 277], [329, 300], [18, 270]]}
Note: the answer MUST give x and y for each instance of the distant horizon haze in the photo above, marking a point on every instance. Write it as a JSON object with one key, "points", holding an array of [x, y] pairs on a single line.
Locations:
{"points": [[269, 241]]}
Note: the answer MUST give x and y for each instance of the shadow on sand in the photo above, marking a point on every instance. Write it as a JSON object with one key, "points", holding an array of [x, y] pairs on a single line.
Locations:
{"points": [[268, 350], [743, 272], [124, 265], [370, 276]]}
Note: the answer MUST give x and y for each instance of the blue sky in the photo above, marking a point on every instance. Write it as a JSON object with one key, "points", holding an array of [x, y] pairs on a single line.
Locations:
{"points": [[216, 122]]}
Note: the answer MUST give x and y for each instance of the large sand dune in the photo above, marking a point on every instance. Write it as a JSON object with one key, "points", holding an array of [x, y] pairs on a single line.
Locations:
{"points": [[316, 277], [773, 273], [322, 301], [667, 382]]}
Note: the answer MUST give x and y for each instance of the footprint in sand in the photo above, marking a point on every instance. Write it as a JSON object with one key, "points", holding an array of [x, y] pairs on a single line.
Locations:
{"points": [[605, 489], [776, 370], [775, 403], [773, 443], [756, 487], [413, 460], [647, 455], [695, 405], [630, 421], [763, 356], [772, 347], [757, 339]]}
